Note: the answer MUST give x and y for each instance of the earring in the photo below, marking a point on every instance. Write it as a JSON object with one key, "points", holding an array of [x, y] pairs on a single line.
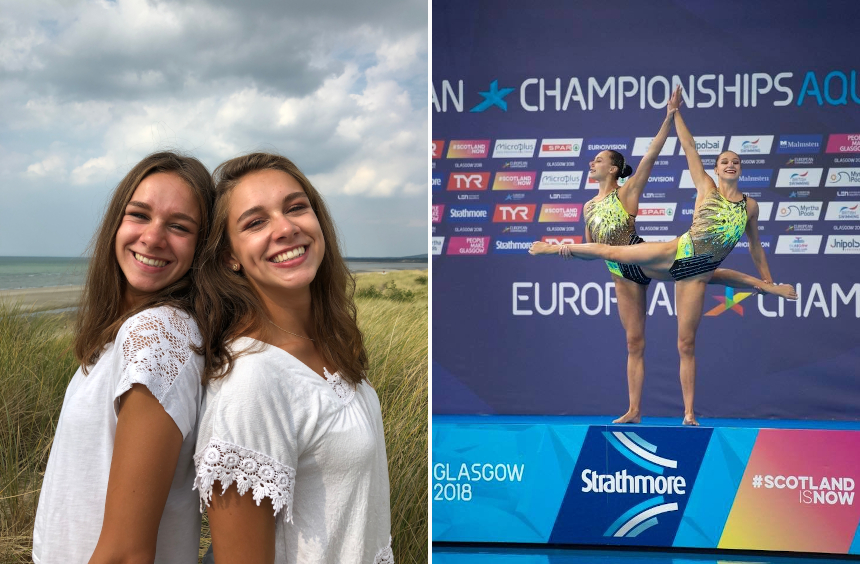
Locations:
{"points": [[236, 267]]}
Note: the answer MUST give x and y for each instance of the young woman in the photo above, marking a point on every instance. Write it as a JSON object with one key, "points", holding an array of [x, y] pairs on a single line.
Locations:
{"points": [[720, 217], [610, 219], [291, 437], [117, 487]]}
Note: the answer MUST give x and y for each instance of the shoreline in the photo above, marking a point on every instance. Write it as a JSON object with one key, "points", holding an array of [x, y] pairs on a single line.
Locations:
{"points": [[45, 298], [59, 297]]}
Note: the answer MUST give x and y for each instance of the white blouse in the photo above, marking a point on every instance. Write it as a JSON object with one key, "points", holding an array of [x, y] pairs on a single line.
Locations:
{"points": [[152, 348], [315, 447]]}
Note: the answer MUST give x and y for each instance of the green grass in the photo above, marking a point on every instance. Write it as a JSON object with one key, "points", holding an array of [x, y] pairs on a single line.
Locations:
{"points": [[36, 364]]}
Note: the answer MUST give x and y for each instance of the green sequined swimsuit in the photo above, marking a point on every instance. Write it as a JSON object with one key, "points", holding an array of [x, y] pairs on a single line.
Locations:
{"points": [[717, 227], [610, 224]]}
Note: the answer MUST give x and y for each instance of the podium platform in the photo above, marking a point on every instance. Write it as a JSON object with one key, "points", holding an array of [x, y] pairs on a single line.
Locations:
{"points": [[751, 485]]}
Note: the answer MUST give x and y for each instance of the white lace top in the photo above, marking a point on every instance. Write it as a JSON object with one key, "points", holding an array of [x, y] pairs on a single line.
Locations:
{"points": [[152, 348], [315, 447]]}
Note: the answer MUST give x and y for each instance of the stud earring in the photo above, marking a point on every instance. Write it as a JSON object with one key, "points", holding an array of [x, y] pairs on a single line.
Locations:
{"points": [[236, 267]]}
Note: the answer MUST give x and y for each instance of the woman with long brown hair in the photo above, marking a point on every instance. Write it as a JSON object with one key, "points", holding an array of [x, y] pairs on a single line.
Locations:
{"points": [[291, 437], [117, 487]]}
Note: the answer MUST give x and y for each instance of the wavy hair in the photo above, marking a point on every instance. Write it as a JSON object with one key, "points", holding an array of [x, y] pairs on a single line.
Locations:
{"points": [[101, 311], [229, 307]]}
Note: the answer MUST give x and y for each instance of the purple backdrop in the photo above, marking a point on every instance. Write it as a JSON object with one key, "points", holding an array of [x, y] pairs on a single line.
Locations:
{"points": [[524, 97]]}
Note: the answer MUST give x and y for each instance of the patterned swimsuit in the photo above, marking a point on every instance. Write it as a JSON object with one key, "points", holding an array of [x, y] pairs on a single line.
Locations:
{"points": [[610, 224], [717, 227]]}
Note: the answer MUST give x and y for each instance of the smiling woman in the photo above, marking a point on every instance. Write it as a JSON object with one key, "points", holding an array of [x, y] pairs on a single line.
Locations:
{"points": [[288, 414], [117, 486]]}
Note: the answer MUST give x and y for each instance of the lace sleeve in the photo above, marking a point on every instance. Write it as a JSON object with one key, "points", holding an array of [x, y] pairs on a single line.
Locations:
{"points": [[227, 463], [154, 349]]}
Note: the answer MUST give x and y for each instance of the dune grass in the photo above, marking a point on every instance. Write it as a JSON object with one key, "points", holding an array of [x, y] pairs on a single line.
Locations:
{"points": [[36, 364]]}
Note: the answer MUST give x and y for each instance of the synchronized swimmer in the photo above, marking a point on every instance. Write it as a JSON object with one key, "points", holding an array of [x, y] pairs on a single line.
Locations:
{"points": [[722, 214]]}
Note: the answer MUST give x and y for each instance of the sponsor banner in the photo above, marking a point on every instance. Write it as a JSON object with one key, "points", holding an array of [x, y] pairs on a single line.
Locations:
{"points": [[436, 182], [656, 212], [469, 149], [514, 181], [799, 144], [843, 211], [842, 245], [468, 213], [560, 148], [468, 181], [658, 238], [751, 144], [848, 193], [560, 213], [797, 493], [800, 161], [468, 245], [755, 178], [796, 211], [843, 143], [764, 210], [499, 482], [799, 177], [514, 148], [726, 488], [597, 144], [560, 180], [843, 177], [438, 243], [514, 213], [630, 488], [712, 145], [687, 178], [512, 245], [437, 148], [562, 240], [438, 212], [744, 244], [798, 244], [662, 179], [641, 144]]}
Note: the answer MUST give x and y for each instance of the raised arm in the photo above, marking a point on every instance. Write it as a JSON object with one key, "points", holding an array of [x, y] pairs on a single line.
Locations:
{"points": [[756, 252], [634, 186], [703, 182]]}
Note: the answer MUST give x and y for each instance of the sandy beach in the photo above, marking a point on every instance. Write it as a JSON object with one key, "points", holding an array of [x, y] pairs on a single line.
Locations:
{"points": [[41, 299]]}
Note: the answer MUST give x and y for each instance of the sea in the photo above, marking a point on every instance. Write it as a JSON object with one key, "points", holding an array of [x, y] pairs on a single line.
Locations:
{"points": [[41, 272]]}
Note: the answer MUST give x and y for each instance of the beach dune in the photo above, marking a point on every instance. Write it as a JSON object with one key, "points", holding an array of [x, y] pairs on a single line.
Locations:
{"points": [[41, 299]]}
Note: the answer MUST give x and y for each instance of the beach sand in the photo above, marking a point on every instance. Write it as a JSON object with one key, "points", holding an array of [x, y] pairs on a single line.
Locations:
{"points": [[41, 299]]}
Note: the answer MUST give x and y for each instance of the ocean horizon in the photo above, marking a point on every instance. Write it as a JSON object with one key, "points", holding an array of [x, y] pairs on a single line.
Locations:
{"points": [[41, 272]]}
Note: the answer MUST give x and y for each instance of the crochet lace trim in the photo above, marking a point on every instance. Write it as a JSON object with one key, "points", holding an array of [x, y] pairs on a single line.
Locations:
{"points": [[227, 463], [157, 346], [385, 555], [340, 386]]}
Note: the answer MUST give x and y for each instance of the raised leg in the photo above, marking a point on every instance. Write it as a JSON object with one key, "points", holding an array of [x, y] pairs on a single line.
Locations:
{"points": [[735, 279], [631, 309], [654, 255], [689, 296]]}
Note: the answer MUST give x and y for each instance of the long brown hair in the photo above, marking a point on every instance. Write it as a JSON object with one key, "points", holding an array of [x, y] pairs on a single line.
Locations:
{"points": [[228, 306], [101, 312]]}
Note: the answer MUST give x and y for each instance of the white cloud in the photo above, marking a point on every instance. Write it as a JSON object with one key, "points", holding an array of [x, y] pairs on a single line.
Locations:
{"points": [[53, 165], [89, 88]]}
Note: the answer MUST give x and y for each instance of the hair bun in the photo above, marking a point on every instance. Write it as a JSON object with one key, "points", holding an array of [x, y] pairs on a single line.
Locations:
{"points": [[626, 171]]}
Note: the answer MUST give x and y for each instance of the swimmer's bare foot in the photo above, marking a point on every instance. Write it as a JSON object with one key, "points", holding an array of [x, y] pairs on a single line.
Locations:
{"points": [[690, 419], [784, 290], [629, 417], [542, 248]]}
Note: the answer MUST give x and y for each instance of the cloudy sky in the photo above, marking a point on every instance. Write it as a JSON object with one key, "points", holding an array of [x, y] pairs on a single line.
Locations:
{"points": [[87, 88]]}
